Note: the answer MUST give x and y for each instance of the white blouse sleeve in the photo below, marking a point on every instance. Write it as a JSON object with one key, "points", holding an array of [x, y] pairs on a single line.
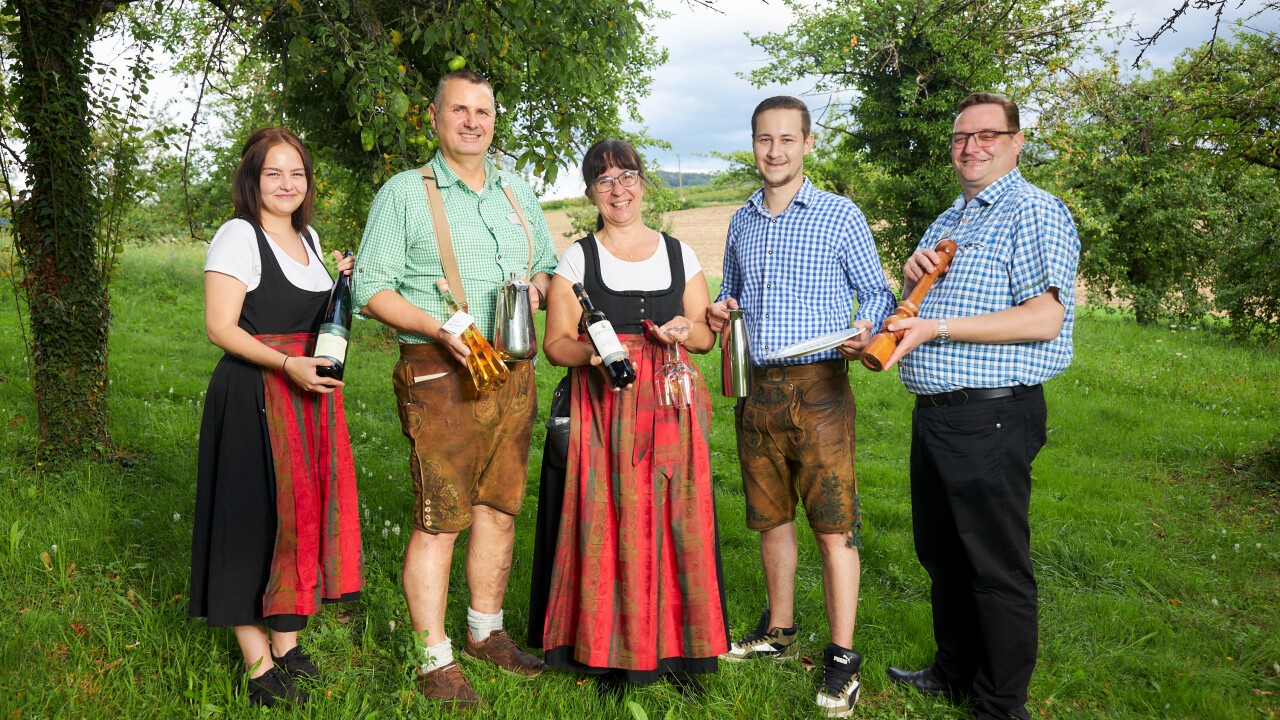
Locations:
{"points": [[572, 265], [234, 252], [691, 265]]}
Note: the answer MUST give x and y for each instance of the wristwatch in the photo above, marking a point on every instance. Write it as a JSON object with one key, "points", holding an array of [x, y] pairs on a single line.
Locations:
{"points": [[944, 336]]}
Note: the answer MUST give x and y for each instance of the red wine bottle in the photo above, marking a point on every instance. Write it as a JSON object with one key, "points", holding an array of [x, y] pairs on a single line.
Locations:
{"points": [[617, 365], [335, 328]]}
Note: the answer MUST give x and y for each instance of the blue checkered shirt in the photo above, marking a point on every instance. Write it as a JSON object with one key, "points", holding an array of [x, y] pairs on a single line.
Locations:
{"points": [[1015, 241], [796, 275]]}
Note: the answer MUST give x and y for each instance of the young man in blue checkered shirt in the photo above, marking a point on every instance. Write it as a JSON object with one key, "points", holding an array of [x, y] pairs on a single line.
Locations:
{"points": [[993, 328], [795, 259]]}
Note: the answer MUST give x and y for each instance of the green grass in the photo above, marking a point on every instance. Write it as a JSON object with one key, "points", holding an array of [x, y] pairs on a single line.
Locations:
{"points": [[1157, 560]]}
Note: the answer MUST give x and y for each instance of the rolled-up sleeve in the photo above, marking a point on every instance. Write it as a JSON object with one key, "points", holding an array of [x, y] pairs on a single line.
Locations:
{"points": [[381, 261], [858, 254], [731, 280]]}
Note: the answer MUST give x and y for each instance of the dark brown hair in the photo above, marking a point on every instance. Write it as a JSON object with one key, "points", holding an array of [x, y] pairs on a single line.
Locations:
{"points": [[782, 102], [246, 194], [618, 153], [1010, 107]]}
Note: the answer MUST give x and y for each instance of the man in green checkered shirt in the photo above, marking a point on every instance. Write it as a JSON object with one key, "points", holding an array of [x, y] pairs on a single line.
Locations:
{"points": [[469, 449]]}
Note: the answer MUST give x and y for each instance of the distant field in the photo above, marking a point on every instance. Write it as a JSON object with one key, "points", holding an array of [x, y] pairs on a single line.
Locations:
{"points": [[702, 228]]}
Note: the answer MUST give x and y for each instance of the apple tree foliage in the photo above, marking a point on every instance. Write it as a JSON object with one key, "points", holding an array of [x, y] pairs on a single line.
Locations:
{"points": [[1177, 186], [356, 76], [901, 67]]}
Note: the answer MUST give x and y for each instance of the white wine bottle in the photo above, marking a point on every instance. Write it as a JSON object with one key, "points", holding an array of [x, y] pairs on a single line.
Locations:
{"points": [[488, 371], [335, 328]]}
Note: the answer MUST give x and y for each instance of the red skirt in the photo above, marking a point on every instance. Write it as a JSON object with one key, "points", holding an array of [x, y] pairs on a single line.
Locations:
{"points": [[317, 549], [636, 583]]}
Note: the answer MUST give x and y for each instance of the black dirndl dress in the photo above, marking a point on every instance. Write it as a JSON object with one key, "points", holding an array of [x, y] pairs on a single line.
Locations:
{"points": [[235, 509]]}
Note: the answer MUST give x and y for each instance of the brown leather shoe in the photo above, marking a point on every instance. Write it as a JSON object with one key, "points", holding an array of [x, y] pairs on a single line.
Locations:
{"points": [[450, 687], [501, 650]]}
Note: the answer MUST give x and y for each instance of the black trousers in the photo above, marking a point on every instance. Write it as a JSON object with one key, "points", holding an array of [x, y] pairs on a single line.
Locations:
{"points": [[970, 500]]}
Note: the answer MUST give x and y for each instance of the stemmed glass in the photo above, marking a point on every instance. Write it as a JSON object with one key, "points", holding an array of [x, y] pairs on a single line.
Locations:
{"points": [[674, 379]]}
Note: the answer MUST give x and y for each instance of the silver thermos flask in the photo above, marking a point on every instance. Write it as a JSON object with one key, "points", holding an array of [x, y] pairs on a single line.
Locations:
{"points": [[735, 356]]}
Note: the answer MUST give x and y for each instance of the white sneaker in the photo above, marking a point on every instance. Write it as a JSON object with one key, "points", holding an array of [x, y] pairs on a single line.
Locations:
{"points": [[765, 642], [840, 686]]}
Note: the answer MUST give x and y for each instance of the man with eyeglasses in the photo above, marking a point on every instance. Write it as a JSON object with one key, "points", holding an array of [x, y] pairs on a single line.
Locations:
{"points": [[795, 259], [994, 327], [469, 450]]}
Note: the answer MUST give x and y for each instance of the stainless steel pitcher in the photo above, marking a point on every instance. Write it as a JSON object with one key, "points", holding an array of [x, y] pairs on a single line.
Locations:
{"points": [[515, 337], [735, 356]]}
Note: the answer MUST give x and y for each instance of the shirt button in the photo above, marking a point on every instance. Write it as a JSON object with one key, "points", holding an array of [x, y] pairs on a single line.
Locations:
{"points": [[770, 252], [766, 315], [499, 257], [768, 285]]}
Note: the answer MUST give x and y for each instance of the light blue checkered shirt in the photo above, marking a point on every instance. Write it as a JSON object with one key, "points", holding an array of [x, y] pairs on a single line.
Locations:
{"points": [[796, 274], [1015, 241]]}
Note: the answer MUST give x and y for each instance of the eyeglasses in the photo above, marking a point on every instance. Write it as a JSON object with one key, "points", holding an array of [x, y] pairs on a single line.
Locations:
{"points": [[627, 178], [984, 138]]}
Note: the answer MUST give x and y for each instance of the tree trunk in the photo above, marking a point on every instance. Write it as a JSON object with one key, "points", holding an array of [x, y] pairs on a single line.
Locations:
{"points": [[64, 277]]}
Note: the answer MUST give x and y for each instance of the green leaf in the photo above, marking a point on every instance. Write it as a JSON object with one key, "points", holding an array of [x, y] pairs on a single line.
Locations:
{"points": [[398, 104]]}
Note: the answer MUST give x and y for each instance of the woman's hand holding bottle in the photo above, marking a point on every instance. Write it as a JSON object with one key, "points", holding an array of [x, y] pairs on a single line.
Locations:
{"points": [[301, 371]]}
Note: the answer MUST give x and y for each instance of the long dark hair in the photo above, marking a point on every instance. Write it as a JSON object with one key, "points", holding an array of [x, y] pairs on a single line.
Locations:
{"points": [[618, 153], [246, 194]]}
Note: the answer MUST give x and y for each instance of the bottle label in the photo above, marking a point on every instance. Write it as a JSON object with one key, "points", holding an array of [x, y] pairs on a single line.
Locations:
{"points": [[331, 342], [457, 324], [608, 347]]}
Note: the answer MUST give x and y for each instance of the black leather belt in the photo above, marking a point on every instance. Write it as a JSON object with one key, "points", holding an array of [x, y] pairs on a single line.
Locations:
{"points": [[966, 395]]}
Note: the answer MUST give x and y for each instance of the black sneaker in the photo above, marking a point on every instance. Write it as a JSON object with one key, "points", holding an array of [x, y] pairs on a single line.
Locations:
{"points": [[297, 664], [273, 686], [611, 686], [690, 686], [765, 642], [840, 687]]}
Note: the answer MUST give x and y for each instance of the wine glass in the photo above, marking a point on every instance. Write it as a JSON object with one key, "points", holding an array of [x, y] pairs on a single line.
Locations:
{"points": [[674, 379]]}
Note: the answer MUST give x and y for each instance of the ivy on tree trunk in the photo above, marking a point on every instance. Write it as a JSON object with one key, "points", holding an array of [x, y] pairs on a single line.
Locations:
{"points": [[65, 276]]}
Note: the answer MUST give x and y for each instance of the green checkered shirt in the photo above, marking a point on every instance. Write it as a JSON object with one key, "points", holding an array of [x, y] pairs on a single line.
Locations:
{"points": [[399, 251]]}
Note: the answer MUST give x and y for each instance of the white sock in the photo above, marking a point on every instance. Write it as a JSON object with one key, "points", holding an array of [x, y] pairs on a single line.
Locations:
{"points": [[437, 656], [482, 624]]}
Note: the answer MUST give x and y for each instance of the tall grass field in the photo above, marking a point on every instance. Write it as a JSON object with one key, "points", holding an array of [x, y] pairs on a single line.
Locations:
{"points": [[1154, 540]]}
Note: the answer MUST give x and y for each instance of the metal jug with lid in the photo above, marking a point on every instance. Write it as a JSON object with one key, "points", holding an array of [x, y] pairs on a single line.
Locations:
{"points": [[514, 336]]}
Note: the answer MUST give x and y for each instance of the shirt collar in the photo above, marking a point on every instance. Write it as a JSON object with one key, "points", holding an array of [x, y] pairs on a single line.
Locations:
{"points": [[803, 197], [993, 192], [445, 176]]}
